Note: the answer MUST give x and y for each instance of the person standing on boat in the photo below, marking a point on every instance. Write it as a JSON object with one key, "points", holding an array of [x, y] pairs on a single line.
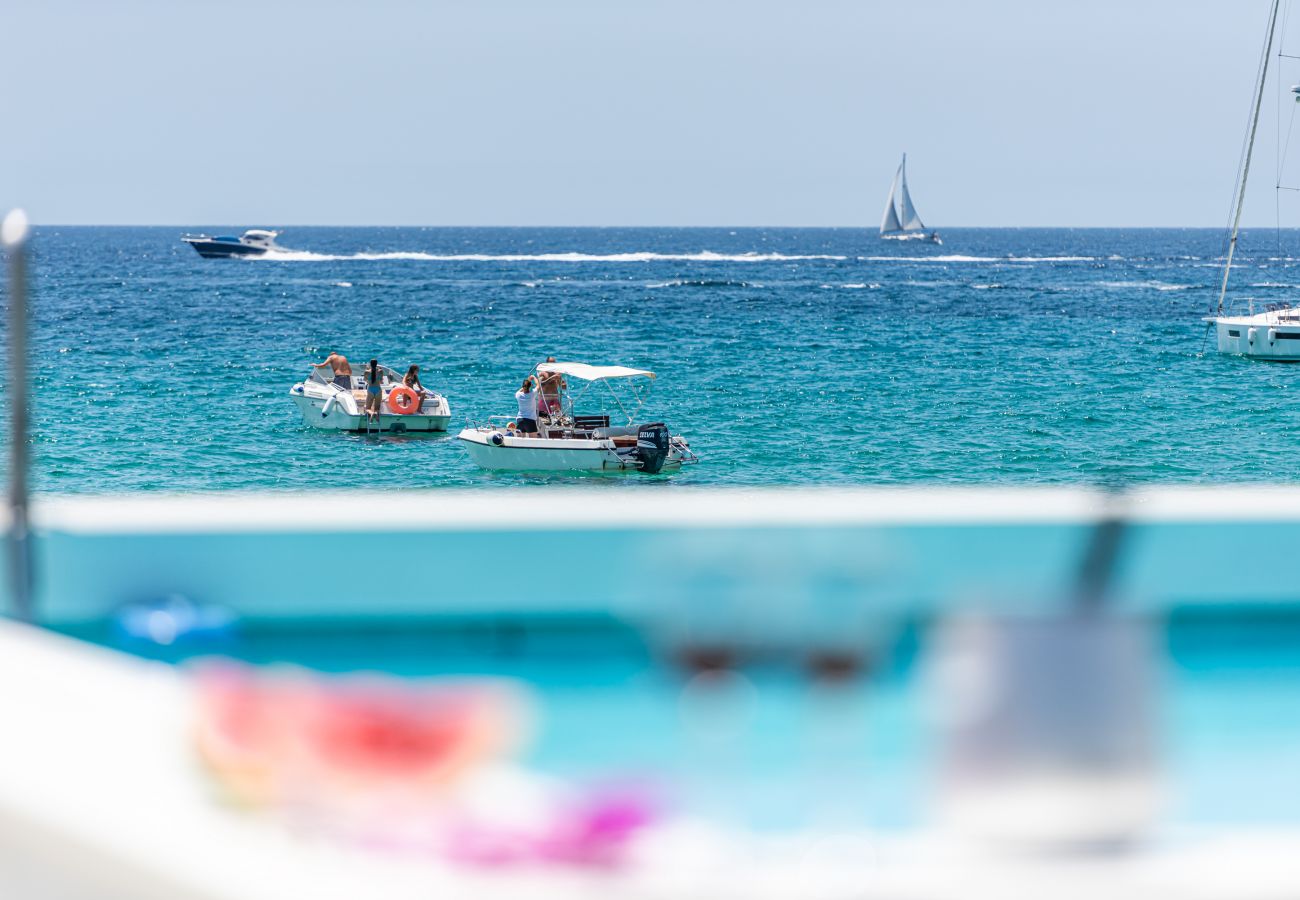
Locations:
{"points": [[338, 364], [374, 391], [548, 403], [527, 397]]}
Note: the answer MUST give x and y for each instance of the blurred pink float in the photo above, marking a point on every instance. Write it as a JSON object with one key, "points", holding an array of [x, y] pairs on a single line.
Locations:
{"points": [[411, 766], [288, 736]]}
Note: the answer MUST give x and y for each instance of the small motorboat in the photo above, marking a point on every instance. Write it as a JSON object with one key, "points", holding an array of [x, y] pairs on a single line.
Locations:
{"points": [[569, 442], [325, 404], [254, 242]]}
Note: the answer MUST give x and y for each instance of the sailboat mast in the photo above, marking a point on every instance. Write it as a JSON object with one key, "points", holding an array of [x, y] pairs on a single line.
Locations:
{"points": [[1250, 147]]}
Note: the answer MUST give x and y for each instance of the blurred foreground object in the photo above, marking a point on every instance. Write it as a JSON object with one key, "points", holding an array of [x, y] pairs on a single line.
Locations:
{"points": [[401, 765], [13, 236], [285, 736], [351, 786], [1049, 730], [171, 620]]}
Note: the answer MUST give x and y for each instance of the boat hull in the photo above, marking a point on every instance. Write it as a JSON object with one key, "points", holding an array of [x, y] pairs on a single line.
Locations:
{"points": [[912, 236], [515, 454], [1269, 336], [224, 249], [319, 412]]}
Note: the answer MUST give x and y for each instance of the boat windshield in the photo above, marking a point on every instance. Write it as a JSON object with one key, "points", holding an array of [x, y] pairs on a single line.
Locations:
{"points": [[323, 374]]}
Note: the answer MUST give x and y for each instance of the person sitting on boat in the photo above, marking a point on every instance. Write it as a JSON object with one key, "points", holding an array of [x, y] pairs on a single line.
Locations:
{"points": [[527, 397], [412, 380], [338, 364], [374, 391]]}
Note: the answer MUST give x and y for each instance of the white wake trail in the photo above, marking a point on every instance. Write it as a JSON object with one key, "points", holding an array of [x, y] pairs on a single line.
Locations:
{"points": [[642, 256], [976, 259]]}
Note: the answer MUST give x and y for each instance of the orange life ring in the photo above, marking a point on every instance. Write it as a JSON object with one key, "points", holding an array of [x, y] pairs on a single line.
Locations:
{"points": [[403, 401]]}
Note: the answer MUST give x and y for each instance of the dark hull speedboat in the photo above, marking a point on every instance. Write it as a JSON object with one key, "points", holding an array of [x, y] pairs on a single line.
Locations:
{"points": [[255, 242]]}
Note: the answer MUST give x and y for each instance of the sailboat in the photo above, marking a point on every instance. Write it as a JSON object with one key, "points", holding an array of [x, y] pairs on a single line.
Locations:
{"points": [[901, 221], [1274, 333]]}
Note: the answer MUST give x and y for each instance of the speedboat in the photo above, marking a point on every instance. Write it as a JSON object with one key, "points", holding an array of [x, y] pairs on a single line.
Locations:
{"points": [[327, 405], [254, 242], [569, 442]]}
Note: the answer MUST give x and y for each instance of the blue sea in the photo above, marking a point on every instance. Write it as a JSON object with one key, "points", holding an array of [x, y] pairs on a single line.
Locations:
{"points": [[786, 356]]}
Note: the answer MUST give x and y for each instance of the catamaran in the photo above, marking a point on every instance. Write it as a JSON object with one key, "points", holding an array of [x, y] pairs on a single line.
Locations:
{"points": [[568, 442], [1272, 333], [901, 221]]}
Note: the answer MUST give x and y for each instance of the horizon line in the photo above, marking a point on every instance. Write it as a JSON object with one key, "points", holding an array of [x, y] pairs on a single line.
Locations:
{"points": [[867, 228]]}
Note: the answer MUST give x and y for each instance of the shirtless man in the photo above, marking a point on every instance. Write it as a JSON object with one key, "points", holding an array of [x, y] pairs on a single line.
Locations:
{"points": [[338, 363], [551, 383]]}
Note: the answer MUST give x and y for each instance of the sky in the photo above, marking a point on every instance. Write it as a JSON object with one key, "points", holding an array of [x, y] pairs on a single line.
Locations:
{"points": [[611, 112]]}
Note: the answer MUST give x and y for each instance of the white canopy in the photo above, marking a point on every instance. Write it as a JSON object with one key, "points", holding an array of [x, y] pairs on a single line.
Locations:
{"points": [[592, 373]]}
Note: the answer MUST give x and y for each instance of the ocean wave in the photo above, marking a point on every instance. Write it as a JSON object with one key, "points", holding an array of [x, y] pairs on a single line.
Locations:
{"points": [[857, 286], [632, 257], [1147, 285], [952, 258], [702, 283]]}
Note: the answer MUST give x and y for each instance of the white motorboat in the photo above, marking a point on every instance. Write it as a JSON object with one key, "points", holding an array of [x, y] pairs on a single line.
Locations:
{"points": [[1274, 332], [901, 221], [326, 404], [569, 442], [254, 242]]}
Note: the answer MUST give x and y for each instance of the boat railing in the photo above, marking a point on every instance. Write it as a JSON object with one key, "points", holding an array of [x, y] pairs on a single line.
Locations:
{"points": [[479, 423], [685, 454]]}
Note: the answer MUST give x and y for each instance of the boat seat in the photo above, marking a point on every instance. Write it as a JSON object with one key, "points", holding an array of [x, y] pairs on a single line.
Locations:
{"points": [[586, 423]]}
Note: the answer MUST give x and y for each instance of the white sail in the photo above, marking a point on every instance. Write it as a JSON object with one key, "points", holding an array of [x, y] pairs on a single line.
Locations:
{"points": [[911, 220], [889, 224]]}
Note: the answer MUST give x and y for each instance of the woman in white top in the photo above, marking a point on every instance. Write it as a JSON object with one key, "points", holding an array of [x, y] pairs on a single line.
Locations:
{"points": [[527, 397]]}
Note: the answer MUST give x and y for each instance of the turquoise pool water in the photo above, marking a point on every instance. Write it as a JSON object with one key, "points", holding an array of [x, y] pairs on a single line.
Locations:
{"points": [[776, 748]]}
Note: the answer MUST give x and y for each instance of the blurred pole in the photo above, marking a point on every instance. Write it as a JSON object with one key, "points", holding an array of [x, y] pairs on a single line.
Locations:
{"points": [[1101, 556], [13, 235]]}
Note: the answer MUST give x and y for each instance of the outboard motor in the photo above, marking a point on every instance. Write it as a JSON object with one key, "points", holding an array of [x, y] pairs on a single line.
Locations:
{"points": [[652, 444]]}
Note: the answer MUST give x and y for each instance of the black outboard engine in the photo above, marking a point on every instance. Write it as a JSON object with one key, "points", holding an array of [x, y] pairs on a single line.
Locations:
{"points": [[652, 444]]}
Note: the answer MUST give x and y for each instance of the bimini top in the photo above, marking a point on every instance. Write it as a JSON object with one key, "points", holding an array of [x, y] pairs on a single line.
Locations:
{"points": [[593, 373]]}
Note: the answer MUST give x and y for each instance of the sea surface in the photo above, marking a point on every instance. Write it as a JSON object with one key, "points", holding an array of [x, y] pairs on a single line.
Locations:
{"points": [[786, 356]]}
